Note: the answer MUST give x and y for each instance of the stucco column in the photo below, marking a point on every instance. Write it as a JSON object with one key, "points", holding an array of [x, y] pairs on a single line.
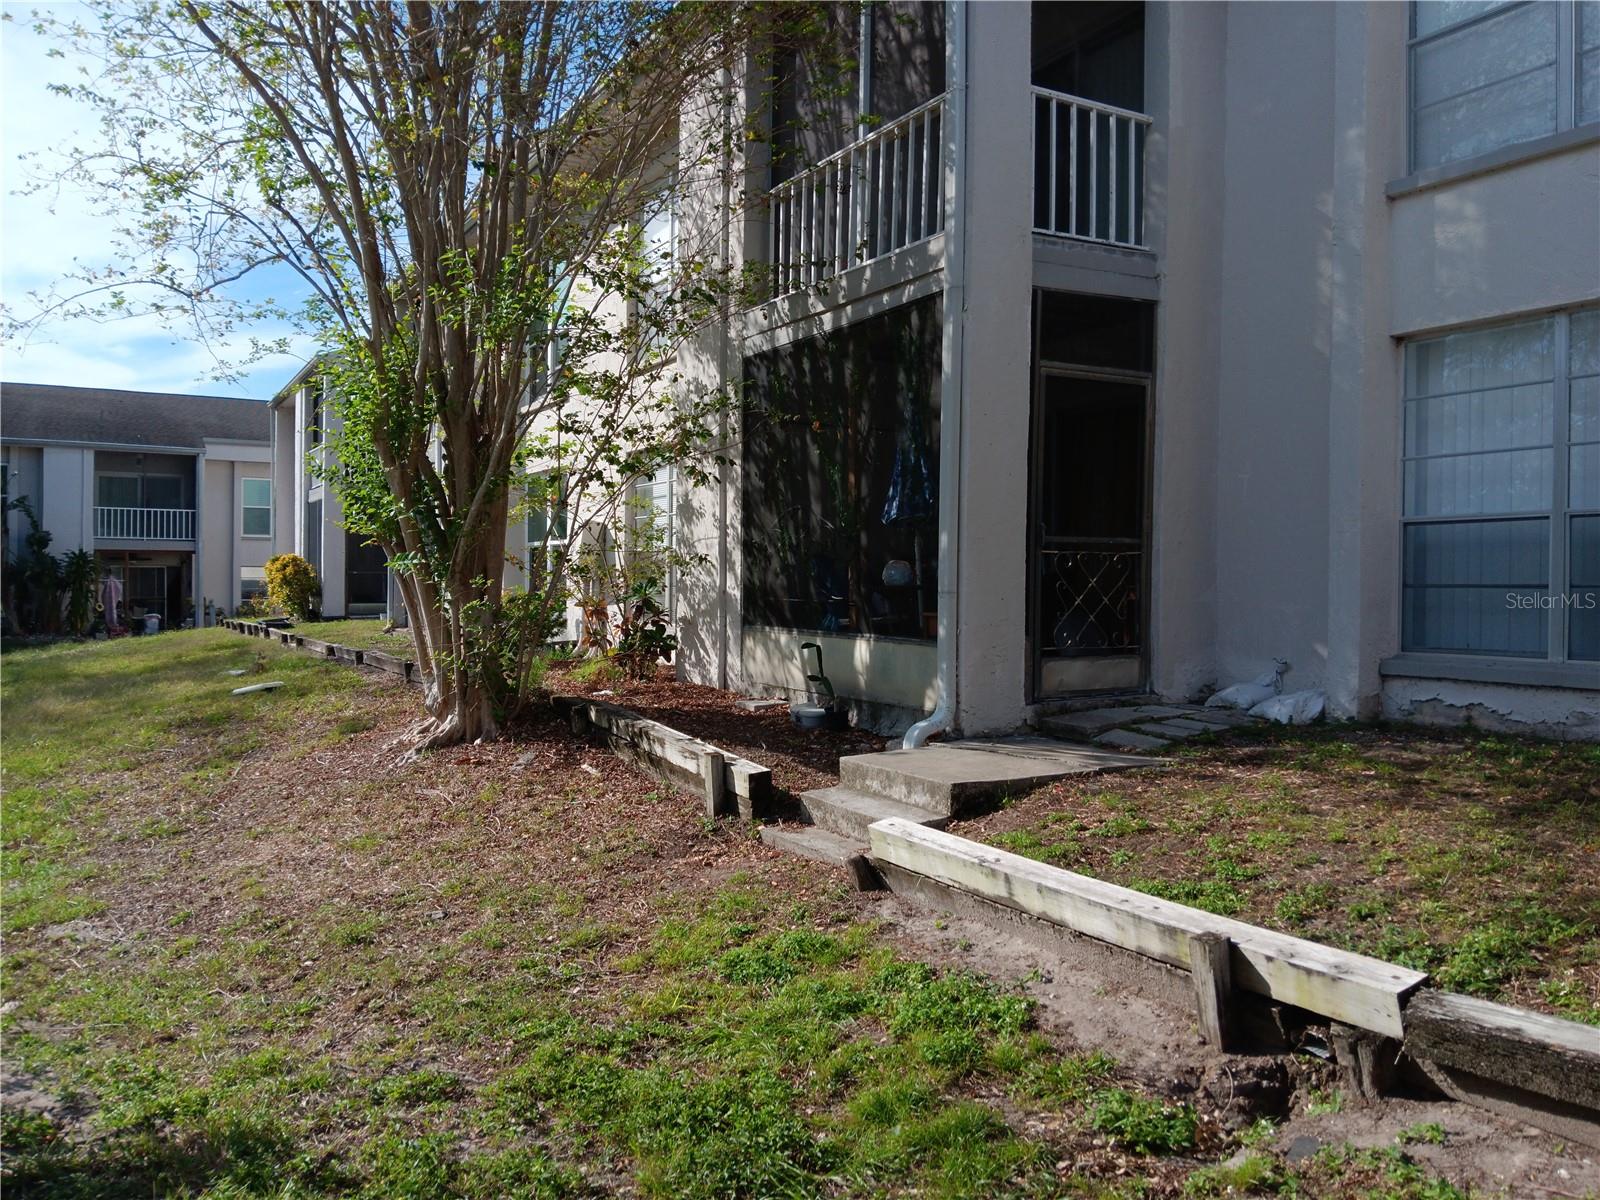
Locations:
{"points": [[1364, 405], [991, 661]]}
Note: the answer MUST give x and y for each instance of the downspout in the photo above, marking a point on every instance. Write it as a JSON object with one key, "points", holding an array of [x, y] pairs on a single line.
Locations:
{"points": [[942, 719]]}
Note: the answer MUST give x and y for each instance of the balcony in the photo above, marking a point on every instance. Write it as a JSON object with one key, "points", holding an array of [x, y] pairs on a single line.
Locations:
{"points": [[879, 194], [1088, 170], [144, 524]]}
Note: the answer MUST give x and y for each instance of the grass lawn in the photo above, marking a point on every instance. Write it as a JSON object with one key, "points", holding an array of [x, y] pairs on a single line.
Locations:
{"points": [[1472, 856], [362, 635], [247, 954]]}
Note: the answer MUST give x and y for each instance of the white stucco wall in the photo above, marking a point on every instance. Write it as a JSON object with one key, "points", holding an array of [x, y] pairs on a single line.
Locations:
{"points": [[1521, 239]]}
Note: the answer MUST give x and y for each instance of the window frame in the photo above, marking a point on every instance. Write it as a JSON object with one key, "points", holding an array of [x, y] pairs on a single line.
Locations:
{"points": [[1557, 513], [251, 575], [1568, 77], [244, 507], [561, 506]]}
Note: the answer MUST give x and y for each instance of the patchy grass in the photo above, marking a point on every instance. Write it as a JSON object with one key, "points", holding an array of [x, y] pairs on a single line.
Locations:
{"points": [[255, 955], [361, 634], [1474, 857], [251, 954]]}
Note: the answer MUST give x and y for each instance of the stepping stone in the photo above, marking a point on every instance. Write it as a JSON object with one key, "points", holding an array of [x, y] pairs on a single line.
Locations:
{"points": [[1158, 710], [1126, 739], [1096, 720], [1189, 724], [1168, 729]]}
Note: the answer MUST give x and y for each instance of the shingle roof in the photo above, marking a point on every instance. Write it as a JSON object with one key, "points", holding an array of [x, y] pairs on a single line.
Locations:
{"points": [[46, 412]]}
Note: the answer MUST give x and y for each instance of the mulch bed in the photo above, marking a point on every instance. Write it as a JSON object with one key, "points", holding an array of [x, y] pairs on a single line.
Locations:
{"points": [[800, 759]]}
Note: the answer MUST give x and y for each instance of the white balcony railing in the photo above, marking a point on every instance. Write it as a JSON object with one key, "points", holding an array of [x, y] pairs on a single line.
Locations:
{"points": [[144, 524], [879, 194], [1088, 169]]}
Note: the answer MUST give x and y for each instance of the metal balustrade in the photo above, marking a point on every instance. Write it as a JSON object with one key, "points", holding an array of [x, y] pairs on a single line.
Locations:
{"points": [[1088, 169], [879, 194], [144, 524]]}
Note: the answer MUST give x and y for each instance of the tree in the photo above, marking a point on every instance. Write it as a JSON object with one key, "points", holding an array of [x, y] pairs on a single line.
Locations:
{"points": [[460, 190]]}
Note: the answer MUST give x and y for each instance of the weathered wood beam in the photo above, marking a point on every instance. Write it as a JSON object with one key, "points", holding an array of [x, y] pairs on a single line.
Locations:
{"points": [[1352, 988]]}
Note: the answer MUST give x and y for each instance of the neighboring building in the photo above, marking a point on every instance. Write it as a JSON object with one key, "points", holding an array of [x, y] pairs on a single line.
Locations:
{"points": [[172, 493], [354, 572], [1232, 333]]}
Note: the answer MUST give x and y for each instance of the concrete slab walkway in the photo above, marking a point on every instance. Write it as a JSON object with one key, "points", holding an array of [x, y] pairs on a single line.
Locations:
{"points": [[1144, 728]]}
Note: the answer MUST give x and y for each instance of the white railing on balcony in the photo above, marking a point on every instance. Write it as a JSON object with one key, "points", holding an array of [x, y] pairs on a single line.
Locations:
{"points": [[144, 524], [1088, 169], [878, 195]]}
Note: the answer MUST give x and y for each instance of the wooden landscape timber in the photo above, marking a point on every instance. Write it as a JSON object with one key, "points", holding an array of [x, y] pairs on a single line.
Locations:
{"points": [[1531, 1066], [1351, 988], [674, 757]]}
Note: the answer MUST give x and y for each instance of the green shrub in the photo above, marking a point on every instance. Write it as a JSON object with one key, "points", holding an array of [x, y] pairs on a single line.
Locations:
{"points": [[292, 585]]}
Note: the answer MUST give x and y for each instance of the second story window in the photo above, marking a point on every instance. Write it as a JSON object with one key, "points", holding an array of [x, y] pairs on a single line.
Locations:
{"points": [[1487, 74], [547, 522], [255, 514]]}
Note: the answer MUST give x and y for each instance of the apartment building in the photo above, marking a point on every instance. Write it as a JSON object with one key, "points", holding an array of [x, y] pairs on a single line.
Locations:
{"points": [[1228, 333], [173, 494]]}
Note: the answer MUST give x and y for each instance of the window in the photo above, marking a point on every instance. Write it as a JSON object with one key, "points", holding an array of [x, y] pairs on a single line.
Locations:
{"points": [[314, 413], [547, 521], [117, 491], [256, 507], [651, 515], [132, 490], [660, 247], [1501, 491], [252, 583], [1486, 74]]}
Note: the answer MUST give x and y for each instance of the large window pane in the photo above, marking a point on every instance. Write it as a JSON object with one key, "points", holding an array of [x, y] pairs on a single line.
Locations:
{"points": [[1486, 85], [1516, 481], [257, 522], [1434, 15], [1477, 587], [257, 492], [1479, 422], [1588, 61], [117, 491], [1583, 566]]}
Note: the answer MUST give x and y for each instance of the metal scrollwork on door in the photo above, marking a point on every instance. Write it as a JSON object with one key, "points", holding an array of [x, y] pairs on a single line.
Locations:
{"points": [[1095, 597]]}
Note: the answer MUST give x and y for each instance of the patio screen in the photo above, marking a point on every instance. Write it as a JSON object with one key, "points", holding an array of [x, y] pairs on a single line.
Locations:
{"points": [[841, 472]]}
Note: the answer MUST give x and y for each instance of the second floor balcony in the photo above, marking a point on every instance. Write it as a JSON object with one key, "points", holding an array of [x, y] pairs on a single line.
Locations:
{"points": [[120, 524], [886, 191]]}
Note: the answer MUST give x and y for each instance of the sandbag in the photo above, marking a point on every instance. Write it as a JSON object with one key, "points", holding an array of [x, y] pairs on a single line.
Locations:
{"points": [[1295, 708], [1248, 695]]}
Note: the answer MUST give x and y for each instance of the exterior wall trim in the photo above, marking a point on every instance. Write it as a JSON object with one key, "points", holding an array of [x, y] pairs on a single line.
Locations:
{"points": [[1495, 160], [1468, 669]]}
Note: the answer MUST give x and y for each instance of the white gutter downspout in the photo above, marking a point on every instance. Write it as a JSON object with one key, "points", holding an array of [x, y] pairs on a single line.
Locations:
{"points": [[951, 402]]}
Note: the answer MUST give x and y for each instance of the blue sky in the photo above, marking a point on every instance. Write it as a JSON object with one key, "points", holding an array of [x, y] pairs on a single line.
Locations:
{"points": [[41, 235]]}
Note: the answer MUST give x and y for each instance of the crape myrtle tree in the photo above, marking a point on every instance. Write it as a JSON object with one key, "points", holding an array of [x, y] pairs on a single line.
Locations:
{"points": [[460, 190]]}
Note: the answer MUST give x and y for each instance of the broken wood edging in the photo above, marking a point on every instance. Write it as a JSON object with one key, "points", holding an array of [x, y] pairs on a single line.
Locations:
{"points": [[1540, 1069]]}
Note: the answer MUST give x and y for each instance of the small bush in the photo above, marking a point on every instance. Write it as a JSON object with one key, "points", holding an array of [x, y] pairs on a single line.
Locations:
{"points": [[292, 585]]}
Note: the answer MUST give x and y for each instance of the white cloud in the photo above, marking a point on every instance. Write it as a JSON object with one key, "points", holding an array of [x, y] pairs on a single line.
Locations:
{"points": [[44, 237]]}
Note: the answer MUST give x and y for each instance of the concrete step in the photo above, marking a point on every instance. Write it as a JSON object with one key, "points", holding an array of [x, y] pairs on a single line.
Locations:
{"points": [[820, 845], [949, 778], [847, 813]]}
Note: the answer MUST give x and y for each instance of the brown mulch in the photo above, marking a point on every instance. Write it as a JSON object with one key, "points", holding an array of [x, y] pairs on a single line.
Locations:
{"points": [[800, 759]]}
